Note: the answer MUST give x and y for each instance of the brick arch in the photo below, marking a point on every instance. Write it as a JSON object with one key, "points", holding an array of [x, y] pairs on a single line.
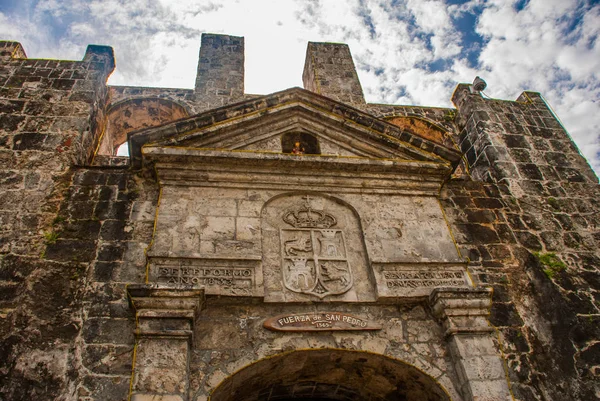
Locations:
{"points": [[129, 115], [329, 374]]}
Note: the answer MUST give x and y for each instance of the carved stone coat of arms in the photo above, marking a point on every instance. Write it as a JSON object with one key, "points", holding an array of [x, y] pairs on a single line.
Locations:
{"points": [[313, 253]]}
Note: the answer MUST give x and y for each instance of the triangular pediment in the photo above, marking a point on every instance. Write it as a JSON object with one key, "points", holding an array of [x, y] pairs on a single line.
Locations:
{"points": [[267, 125]]}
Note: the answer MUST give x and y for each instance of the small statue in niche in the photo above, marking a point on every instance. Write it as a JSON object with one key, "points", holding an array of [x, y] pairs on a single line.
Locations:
{"points": [[298, 149]]}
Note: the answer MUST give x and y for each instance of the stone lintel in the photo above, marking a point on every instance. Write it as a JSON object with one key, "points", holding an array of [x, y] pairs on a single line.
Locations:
{"points": [[462, 310], [196, 167]]}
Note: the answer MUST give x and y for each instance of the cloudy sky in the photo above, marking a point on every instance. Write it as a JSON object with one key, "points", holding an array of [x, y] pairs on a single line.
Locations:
{"points": [[406, 51]]}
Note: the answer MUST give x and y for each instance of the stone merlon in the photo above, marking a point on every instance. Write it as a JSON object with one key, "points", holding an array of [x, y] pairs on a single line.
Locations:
{"points": [[329, 71]]}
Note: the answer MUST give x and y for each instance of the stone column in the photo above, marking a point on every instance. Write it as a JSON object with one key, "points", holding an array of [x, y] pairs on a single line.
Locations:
{"points": [[165, 318], [480, 370]]}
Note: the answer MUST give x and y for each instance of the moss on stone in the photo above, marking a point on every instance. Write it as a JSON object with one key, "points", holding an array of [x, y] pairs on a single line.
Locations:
{"points": [[552, 263]]}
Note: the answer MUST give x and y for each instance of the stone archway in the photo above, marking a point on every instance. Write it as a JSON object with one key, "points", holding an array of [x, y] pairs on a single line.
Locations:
{"points": [[129, 115], [329, 374]]}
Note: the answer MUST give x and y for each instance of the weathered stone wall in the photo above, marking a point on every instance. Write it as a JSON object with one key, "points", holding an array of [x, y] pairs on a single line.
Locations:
{"points": [[528, 221], [51, 112], [67, 332], [109, 212]]}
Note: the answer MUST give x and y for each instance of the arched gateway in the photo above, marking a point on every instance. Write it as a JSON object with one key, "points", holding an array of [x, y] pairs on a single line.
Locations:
{"points": [[329, 374]]}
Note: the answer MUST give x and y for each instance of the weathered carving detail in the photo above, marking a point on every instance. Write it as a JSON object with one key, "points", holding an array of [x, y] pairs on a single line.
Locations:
{"points": [[215, 276], [239, 277], [306, 217], [314, 255], [293, 246], [319, 321], [423, 279]]}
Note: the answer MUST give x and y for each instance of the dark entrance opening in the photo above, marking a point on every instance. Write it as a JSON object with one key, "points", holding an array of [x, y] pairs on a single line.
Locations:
{"points": [[329, 375]]}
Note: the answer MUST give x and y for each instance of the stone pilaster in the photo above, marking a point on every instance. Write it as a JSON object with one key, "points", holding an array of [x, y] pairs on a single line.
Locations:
{"points": [[480, 370], [165, 318]]}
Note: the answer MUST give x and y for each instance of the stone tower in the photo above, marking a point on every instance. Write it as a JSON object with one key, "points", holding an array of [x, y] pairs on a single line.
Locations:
{"points": [[297, 245]]}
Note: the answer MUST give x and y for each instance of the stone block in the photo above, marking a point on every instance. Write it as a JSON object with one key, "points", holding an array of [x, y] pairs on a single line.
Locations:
{"points": [[247, 229], [505, 314], [155, 397], [11, 123], [488, 390], [110, 252], [108, 359], [223, 334], [69, 250], [488, 367], [472, 345], [80, 229], [118, 210], [115, 230], [113, 331], [100, 387], [218, 228]]}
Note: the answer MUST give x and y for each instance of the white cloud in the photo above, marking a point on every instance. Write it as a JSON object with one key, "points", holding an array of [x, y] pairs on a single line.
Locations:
{"points": [[531, 49]]}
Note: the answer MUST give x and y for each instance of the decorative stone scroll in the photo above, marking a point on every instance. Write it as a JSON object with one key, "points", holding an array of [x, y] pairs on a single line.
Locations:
{"points": [[319, 321], [314, 255]]}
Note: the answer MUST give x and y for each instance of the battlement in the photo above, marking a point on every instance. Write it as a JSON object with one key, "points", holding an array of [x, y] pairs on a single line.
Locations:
{"points": [[10, 50]]}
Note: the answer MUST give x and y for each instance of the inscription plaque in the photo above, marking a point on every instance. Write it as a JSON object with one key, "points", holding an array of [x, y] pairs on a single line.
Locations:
{"points": [[319, 321], [422, 279], [398, 281], [205, 276]]}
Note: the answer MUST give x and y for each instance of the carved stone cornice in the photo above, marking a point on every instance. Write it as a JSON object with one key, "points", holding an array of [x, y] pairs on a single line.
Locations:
{"points": [[462, 310], [165, 310]]}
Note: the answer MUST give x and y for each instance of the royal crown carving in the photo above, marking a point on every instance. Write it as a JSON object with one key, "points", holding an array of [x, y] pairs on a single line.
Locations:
{"points": [[306, 217]]}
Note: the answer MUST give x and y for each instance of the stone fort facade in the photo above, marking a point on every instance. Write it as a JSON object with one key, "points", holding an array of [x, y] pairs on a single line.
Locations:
{"points": [[298, 245]]}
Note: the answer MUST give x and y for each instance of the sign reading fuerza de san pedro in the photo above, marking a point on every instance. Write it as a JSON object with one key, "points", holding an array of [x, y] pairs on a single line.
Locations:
{"points": [[319, 321]]}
